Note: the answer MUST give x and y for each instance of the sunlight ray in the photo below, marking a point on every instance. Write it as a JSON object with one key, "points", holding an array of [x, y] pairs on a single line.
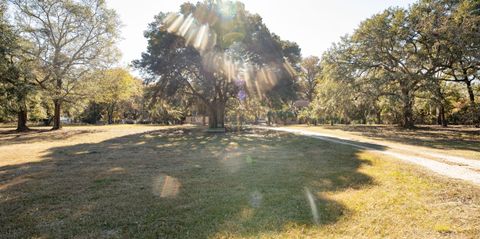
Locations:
{"points": [[173, 28], [187, 24], [313, 206], [201, 40]]}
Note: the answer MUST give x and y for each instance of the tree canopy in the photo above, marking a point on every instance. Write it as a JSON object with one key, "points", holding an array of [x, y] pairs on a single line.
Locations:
{"points": [[215, 51], [401, 55]]}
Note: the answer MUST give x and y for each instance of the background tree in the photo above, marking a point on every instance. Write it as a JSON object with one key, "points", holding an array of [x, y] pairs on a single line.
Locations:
{"points": [[248, 110], [460, 34], [387, 42], [166, 113], [401, 55], [115, 86], [16, 86], [310, 74], [68, 39]]}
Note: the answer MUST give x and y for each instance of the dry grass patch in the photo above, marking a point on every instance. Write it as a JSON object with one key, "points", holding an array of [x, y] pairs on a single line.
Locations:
{"points": [[183, 183]]}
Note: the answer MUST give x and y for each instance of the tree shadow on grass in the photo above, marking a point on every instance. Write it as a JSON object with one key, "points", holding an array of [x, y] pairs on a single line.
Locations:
{"points": [[11, 137], [179, 184], [456, 138]]}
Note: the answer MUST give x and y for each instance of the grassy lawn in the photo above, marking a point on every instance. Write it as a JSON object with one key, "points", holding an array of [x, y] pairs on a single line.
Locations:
{"points": [[153, 182], [454, 140]]}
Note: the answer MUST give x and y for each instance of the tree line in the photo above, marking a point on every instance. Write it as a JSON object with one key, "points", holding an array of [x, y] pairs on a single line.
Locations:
{"points": [[51, 50], [402, 66], [57, 59], [405, 66]]}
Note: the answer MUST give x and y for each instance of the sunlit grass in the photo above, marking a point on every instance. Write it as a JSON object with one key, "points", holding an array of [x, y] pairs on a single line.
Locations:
{"points": [[256, 184]]}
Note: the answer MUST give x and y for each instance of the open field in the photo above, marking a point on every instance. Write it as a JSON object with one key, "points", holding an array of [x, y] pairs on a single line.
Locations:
{"points": [[160, 182]]}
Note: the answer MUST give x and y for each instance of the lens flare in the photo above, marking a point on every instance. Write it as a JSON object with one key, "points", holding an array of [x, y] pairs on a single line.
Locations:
{"points": [[173, 28], [197, 31], [187, 24], [256, 199], [202, 38], [313, 206], [166, 186]]}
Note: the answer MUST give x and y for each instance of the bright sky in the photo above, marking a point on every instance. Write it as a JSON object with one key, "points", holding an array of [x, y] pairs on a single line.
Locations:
{"points": [[313, 24]]}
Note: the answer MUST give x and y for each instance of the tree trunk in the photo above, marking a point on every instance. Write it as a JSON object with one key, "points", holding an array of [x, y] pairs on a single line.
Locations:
{"points": [[22, 113], [444, 120], [56, 117], [408, 121], [212, 118], [441, 119], [379, 117], [439, 116], [110, 118], [475, 108], [471, 95], [311, 94], [216, 117], [364, 119], [408, 116], [221, 115], [439, 98], [22, 121], [110, 111]]}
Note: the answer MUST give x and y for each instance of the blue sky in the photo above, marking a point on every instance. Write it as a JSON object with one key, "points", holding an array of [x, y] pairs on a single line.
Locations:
{"points": [[313, 24]]}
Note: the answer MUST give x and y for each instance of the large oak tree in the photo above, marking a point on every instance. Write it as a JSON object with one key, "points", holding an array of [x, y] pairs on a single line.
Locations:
{"points": [[214, 51]]}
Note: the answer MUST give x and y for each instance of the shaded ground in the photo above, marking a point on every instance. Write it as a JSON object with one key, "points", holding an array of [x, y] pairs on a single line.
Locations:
{"points": [[177, 183], [9, 137]]}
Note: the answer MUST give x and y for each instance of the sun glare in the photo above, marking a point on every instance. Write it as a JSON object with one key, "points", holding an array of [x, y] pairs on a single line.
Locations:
{"points": [[166, 186], [198, 33]]}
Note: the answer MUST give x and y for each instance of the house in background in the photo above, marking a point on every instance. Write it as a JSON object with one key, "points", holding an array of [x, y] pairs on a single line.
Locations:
{"points": [[300, 104], [66, 120], [198, 114]]}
